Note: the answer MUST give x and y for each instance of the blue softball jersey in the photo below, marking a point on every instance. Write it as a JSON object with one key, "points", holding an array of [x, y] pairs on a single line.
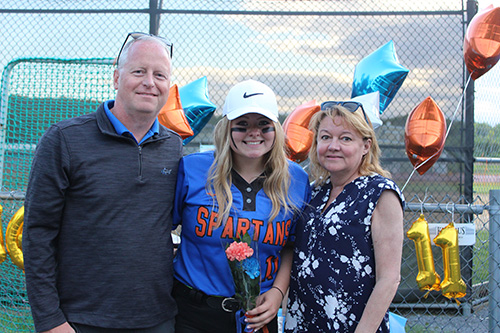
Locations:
{"points": [[200, 261]]}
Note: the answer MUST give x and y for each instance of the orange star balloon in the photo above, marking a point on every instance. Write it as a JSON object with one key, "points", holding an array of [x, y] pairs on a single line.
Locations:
{"points": [[172, 115], [425, 132], [296, 127], [482, 41]]}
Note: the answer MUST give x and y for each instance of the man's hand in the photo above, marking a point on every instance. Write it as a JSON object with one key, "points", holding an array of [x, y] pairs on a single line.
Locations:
{"points": [[63, 328]]}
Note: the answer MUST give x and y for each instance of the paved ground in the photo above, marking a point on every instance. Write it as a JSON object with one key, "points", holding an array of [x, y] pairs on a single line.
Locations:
{"points": [[452, 321], [445, 322]]}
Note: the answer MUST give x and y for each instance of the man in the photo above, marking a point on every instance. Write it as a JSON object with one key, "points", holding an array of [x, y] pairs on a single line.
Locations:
{"points": [[97, 244]]}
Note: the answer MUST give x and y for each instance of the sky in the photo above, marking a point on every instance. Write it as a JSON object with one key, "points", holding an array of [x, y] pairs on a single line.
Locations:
{"points": [[48, 29]]}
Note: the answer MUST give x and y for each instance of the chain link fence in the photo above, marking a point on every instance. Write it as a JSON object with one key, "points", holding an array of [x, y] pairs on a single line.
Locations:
{"points": [[57, 63], [487, 132], [434, 312]]}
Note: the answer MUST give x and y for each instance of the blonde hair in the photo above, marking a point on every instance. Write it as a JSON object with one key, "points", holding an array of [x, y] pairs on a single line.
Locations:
{"points": [[277, 176], [371, 161]]}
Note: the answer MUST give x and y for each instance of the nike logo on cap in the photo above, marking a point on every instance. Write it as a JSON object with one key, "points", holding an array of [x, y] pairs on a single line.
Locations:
{"points": [[246, 96]]}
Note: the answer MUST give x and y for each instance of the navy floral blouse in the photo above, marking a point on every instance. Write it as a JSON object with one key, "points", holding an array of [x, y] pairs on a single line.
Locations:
{"points": [[333, 271]]}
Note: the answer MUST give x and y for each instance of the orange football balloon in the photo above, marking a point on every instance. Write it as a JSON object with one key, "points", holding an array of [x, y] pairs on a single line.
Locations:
{"points": [[172, 115], [482, 41], [296, 126], [425, 132]]}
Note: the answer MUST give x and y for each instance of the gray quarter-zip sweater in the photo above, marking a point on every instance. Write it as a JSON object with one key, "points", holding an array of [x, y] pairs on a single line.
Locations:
{"points": [[96, 240]]}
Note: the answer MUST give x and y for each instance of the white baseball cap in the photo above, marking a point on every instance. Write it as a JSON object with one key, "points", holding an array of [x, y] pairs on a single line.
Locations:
{"points": [[250, 97]]}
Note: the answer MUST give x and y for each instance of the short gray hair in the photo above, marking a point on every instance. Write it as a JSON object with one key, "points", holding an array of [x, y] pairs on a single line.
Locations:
{"points": [[123, 57]]}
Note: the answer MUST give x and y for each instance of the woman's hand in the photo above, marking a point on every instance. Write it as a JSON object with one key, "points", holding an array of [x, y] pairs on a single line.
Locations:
{"points": [[267, 308]]}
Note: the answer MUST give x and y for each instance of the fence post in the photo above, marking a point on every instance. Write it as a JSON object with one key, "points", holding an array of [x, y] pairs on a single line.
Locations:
{"points": [[494, 247], [154, 17]]}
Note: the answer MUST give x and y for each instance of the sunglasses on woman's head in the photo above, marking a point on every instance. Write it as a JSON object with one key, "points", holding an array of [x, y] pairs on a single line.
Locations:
{"points": [[349, 105]]}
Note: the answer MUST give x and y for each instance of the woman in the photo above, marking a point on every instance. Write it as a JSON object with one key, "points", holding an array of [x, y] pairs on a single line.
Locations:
{"points": [[246, 185], [346, 266]]}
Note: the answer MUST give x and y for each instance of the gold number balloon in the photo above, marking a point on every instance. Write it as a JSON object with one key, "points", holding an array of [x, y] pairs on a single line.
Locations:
{"points": [[427, 278], [452, 285], [3, 253], [13, 238]]}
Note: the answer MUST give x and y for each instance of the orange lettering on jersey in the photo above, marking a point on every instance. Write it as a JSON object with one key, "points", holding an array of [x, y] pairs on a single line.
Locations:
{"points": [[287, 228], [271, 267], [201, 218], [242, 227], [212, 223], [269, 234], [228, 229], [280, 233], [257, 224]]}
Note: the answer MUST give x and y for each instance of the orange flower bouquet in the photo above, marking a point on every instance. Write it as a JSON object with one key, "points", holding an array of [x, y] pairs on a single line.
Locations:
{"points": [[245, 269]]}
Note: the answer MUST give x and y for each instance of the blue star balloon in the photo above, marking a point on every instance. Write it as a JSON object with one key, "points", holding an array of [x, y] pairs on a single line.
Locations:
{"points": [[397, 323], [197, 106], [380, 71], [371, 105]]}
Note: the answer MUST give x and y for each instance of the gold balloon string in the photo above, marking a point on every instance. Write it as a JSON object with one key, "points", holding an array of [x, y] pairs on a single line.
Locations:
{"points": [[408, 180], [446, 136], [452, 212], [423, 201], [422, 214], [457, 108]]}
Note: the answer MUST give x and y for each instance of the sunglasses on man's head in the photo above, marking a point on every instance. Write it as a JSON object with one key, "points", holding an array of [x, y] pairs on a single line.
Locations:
{"points": [[349, 105], [136, 35]]}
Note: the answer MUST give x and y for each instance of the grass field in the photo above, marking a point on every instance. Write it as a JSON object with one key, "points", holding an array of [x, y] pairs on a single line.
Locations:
{"points": [[480, 264], [486, 179]]}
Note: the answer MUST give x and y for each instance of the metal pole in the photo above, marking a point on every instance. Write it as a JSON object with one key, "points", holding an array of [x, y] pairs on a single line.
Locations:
{"points": [[443, 208], [494, 247], [154, 17], [466, 252], [487, 159], [472, 6]]}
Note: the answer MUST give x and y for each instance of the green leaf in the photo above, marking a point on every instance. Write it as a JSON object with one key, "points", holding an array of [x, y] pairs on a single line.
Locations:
{"points": [[246, 238]]}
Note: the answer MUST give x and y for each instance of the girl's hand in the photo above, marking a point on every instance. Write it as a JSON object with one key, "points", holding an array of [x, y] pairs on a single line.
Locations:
{"points": [[267, 308]]}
